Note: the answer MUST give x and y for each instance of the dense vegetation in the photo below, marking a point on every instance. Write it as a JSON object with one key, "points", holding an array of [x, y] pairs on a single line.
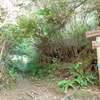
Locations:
{"points": [[50, 42]]}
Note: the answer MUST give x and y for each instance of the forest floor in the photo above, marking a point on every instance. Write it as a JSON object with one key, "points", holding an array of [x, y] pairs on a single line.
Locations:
{"points": [[26, 89]]}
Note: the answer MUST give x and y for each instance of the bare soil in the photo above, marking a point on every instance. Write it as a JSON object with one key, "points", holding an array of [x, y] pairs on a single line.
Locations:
{"points": [[39, 90], [28, 90]]}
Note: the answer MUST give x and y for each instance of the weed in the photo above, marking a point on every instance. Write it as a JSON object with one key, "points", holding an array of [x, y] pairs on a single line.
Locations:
{"points": [[13, 73], [80, 78]]}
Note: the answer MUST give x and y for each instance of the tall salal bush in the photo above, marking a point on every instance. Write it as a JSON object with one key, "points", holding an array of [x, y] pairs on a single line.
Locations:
{"points": [[20, 42], [52, 22], [26, 54], [58, 23]]}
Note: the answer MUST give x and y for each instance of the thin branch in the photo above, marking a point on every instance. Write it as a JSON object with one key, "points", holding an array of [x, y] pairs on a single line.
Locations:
{"points": [[2, 50]]}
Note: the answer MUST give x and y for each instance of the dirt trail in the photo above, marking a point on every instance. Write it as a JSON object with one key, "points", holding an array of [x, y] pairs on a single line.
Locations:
{"points": [[27, 90], [37, 90]]}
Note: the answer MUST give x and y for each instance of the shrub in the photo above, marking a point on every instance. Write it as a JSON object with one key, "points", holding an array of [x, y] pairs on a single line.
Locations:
{"points": [[78, 78]]}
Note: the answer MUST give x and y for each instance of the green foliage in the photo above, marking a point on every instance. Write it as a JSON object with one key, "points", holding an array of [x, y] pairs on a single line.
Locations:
{"points": [[57, 22], [44, 12], [27, 47], [12, 72], [65, 84], [19, 40], [7, 78], [24, 28], [24, 63], [44, 71], [26, 55], [27, 24], [79, 78]]}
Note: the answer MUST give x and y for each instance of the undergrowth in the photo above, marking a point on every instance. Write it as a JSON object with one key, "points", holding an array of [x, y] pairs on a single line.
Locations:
{"points": [[7, 78], [46, 70], [78, 78]]}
